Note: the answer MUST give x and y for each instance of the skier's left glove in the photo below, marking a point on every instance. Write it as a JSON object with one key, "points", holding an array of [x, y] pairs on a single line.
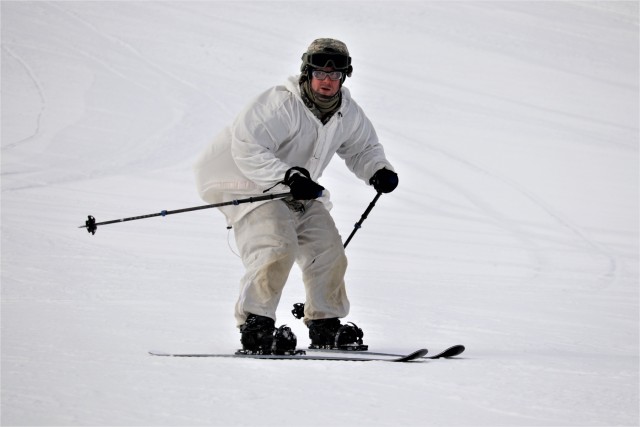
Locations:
{"points": [[384, 180]]}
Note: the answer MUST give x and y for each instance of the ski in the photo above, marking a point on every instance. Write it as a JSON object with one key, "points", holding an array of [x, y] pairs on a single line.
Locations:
{"points": [[452, 351], [298, 313], [416, 355]]}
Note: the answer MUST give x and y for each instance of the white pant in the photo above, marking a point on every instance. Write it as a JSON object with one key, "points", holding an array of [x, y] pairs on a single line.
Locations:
{"points": [[270, 239]]}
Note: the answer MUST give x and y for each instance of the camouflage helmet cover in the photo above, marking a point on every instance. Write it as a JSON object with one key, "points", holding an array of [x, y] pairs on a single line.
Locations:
{"points": [[328, 46], [333, 52]]}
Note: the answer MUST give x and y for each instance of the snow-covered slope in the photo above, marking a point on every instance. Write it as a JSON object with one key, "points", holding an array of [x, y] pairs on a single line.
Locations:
{"points": [[513, 127]]}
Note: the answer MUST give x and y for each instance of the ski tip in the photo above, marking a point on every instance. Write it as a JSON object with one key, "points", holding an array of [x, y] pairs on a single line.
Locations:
{"points": [[158, 353], [456, 350], [421, 353], [452, 351], [413, 356]]}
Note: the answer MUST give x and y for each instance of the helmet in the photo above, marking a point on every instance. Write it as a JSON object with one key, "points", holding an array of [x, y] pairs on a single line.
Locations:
{"points": [[327, 53]]}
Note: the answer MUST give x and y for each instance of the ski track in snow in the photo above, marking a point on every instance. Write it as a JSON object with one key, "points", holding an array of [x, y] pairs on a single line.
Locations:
{"points": [[40, 91], [513, 228], [513, 231]]}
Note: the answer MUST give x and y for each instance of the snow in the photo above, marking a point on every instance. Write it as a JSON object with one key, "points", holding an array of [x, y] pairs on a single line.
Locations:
{"points": [[513, 127]]}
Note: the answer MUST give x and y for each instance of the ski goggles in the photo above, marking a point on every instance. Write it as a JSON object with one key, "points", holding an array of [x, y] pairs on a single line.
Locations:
{"points": [[321, 75], [321, 60]]}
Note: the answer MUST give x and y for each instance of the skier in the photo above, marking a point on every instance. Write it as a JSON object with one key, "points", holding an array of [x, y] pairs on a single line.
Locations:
{"points": [[282, 141]]}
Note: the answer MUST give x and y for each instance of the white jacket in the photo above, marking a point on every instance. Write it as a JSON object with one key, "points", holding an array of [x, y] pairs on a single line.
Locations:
{"points": [[276, 132]]}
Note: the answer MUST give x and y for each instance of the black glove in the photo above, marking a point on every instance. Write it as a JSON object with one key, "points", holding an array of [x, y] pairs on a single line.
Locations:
{"points": [[384, 181], [301, 185]]}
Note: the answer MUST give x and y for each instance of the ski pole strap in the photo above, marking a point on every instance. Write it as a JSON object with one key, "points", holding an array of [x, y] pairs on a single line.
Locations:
{"points": [[287, 177]]}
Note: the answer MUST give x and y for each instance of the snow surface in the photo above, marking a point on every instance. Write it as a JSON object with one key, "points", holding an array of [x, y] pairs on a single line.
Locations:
{"points": [[514, 129]]}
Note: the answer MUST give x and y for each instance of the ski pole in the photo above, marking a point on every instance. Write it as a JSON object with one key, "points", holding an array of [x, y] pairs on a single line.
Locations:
{"points": [[362, 218], [91, 225]]}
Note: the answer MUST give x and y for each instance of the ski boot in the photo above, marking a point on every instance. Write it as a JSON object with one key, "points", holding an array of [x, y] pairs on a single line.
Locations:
{"points": [[260, 336], [331, 334], [257, 335]]}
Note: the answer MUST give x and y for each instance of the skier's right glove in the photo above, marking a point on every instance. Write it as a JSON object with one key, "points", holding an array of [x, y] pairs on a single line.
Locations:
{"points": [[302, 186]]}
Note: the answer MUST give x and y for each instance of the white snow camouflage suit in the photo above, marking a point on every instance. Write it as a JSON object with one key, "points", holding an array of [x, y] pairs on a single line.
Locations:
{"points": [[272, 134]]}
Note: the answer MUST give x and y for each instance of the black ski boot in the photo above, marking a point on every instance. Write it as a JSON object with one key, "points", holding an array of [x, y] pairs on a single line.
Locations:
{"points": [[322, 332], [257, 334], [260, 336], [330, 334]]}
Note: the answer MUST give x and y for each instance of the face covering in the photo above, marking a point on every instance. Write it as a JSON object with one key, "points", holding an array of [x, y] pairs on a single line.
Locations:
{"points": [[323, 108]]}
